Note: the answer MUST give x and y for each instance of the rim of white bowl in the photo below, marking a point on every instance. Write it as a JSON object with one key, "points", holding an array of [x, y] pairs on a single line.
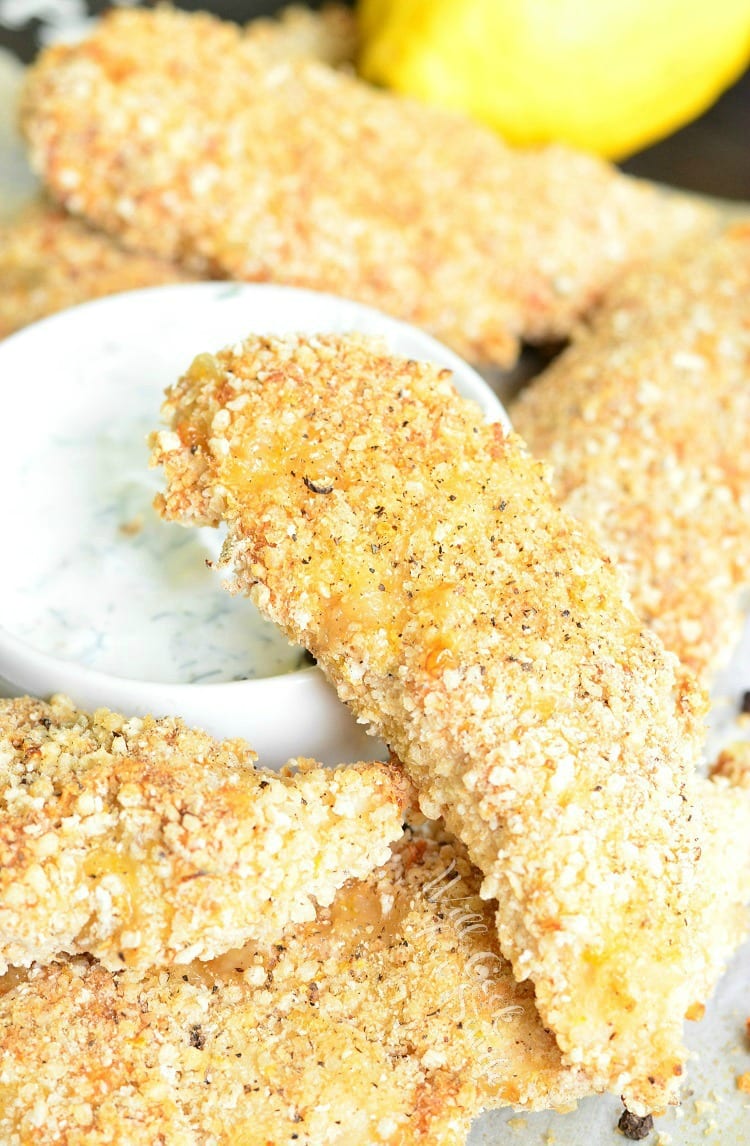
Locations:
{"points": [[28, 656], [468, 382]]}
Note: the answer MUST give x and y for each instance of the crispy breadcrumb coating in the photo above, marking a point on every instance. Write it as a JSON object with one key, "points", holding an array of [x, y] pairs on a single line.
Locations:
{"points": [[147, 843], [49, 261], [646, 421], [390, 1018], [328, 35], [733, 763], [178, 134], [420, 555]]}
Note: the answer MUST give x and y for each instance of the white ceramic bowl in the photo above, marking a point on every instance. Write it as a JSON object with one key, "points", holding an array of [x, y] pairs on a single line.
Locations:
{"points": [[79, 392]]}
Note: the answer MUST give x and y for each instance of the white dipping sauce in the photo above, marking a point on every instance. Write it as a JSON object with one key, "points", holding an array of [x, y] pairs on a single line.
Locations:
{"points": [[117, 589], [89, 573]]}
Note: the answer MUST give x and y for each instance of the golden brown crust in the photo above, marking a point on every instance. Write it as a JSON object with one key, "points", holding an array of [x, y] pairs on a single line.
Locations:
{"points": [[329, 34], [50, 261], [286, 170], [733, 764], [147, 843], [402, 967], [391, 1018], [420, 555], [646, 421]]}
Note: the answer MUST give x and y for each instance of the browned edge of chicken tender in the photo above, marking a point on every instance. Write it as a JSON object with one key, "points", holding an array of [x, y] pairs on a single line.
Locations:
{"points": [[420, 555], [146, 843], [180, 135], [50, 261], [646, 422], [328, 34]]}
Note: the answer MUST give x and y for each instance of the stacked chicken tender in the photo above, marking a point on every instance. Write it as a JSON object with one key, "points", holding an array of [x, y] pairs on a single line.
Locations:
{"points": [[146, 843], [50, 260], [195, 950], [386, 1013], [195, 969], [472, 624], [646, 421], [277, 166]]}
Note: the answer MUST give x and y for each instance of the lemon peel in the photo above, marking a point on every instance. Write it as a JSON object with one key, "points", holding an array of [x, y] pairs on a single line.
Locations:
{"points": [[608, 77]]}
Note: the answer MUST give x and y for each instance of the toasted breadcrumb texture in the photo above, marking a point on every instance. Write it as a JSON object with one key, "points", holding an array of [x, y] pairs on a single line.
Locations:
{"points": [[420, 555], [147, 843], [328, 35], [50, 261], [286, 170], [646, 421], [390, 1018], [733, 763]]}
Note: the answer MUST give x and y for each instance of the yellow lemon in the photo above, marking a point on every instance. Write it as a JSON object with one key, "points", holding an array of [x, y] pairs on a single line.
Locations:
{"points": [[608, 76]]}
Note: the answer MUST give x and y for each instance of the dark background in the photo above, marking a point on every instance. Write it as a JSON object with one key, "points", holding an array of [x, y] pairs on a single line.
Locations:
{"points": [[711, 155]]}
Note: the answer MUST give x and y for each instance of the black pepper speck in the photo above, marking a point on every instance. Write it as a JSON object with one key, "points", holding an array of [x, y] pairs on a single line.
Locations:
{"points": [[633, 1127]]}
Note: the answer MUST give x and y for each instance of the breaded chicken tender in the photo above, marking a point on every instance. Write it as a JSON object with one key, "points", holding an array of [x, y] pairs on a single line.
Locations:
{"points": [[183, 136], [146, 843], [646, 421], [420, 555], [49, 261], [391, 1018]]}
